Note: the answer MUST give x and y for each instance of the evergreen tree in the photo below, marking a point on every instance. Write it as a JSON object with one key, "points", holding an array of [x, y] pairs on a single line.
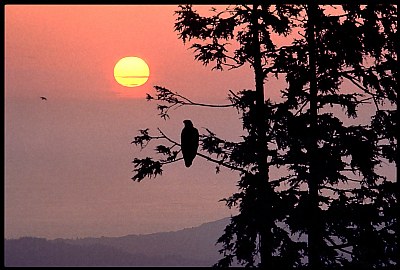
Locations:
{"points": [[329, 187]]}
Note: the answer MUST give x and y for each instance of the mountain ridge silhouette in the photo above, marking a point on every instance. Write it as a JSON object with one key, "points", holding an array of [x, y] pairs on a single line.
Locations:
{"points": [[195, 246]]}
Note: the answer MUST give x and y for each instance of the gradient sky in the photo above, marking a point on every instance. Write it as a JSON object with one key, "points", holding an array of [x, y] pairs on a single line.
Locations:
{"points": [[68, 159]]}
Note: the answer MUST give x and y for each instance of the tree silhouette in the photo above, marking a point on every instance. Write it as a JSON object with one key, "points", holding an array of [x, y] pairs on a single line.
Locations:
{"points": [[342, 48], [330, 188]]}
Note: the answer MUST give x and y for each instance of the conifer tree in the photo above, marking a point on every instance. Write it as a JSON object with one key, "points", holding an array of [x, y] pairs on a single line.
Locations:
{"points": [[330, 188]]}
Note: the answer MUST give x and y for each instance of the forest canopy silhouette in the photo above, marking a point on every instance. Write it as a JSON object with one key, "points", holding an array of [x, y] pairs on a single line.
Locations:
{"points": [[330, 187]]}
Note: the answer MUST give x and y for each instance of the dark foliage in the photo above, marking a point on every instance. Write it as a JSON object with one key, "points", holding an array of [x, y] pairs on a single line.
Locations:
{"points": [[355, 204]]}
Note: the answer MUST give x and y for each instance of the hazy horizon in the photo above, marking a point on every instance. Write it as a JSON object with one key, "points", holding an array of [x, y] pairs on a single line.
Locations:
{"points": [[68, 158], [125, 235]]}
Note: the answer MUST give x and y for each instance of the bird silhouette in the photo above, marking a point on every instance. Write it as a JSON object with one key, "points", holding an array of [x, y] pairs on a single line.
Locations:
{"points": [[43, 98], [189, 142]]}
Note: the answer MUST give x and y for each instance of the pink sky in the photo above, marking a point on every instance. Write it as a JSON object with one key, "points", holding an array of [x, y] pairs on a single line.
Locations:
{"points": [[68, 159]]}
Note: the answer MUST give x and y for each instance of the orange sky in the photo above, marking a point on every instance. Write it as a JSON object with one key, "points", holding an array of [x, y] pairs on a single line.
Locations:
{"points": [[76, 48], [68, 159]]}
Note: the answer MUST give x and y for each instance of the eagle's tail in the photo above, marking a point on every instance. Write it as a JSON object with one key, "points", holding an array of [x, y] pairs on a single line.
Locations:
{"points": [[188, 163]]}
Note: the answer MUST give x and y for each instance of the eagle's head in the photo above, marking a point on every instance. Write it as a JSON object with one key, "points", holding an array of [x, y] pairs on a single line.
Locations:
{"points": [[188, 123]]}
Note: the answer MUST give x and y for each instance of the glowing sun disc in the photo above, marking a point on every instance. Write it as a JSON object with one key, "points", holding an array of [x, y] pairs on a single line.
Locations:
{"points": [[131, 71]]}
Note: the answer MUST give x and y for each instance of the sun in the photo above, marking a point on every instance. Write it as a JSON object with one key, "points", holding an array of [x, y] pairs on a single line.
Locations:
{"points": [[131, 71]]}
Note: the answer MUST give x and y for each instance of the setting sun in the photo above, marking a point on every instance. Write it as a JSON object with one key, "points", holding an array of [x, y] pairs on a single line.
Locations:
{"points": [[131, 71]]}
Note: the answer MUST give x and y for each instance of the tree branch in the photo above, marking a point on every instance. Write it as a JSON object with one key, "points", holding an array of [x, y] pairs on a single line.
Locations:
{"points": [[219, 162], [339, 247], [170, 161], [189, 102], [336, 189]]}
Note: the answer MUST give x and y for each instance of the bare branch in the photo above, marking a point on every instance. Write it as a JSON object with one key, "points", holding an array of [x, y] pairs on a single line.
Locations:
{"points": [[347, 76], [175, 100], [189, 102], [170, 161]]}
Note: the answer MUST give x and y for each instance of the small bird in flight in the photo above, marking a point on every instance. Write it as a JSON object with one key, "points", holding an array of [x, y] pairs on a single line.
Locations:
{"points": [[43, 98]]}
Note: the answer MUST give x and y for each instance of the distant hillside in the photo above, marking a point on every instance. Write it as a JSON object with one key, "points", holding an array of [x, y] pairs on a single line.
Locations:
{"points": [[187, 247]]}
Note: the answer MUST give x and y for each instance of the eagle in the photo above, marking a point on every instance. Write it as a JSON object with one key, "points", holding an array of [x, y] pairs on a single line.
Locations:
{"points": [[189, 142]]}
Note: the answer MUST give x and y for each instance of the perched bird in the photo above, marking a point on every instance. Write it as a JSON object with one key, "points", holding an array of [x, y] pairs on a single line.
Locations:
{"points": [[43, 98], [189, 142]]}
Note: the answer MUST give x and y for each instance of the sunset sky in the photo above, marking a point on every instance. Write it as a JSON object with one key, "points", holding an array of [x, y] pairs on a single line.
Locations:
{"points": [[68, 159]]}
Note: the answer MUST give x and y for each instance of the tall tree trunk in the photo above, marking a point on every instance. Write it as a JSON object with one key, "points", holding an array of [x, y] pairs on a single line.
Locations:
{"points": [[314, 230], [265, 220]]}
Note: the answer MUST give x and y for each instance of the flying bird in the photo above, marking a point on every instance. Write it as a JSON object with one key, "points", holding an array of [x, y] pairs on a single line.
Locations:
{"points": [[43, 98], [189, 142]]}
